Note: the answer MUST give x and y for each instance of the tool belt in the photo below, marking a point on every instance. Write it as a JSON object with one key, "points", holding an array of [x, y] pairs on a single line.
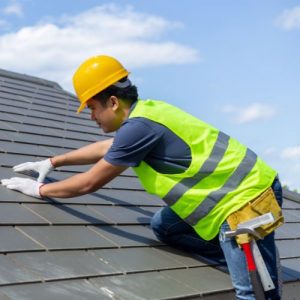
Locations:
{"points": [[264, 203]]}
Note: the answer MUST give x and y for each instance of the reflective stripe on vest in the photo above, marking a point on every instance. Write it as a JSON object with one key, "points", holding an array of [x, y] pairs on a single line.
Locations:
{"points": [[206, 169], [232, 183]]}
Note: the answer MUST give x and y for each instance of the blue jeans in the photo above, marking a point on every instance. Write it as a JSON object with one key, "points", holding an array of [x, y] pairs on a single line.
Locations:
{"points": [[171, 229]]}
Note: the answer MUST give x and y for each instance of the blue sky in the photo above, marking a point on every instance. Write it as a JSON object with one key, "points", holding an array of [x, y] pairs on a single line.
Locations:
{"points": [[234, 64]]}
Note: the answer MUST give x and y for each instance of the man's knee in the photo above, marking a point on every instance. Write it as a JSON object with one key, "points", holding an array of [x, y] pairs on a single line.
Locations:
{"points": [[157, 224], [166, 225]]}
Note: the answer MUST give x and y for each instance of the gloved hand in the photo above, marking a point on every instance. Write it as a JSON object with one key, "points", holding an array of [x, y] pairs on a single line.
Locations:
{"points": [[24, 185], [42, 167]]}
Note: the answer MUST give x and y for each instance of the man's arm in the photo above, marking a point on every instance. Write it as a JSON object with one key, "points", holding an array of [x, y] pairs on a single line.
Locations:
{"points": [[96, 177], [89, 154]]}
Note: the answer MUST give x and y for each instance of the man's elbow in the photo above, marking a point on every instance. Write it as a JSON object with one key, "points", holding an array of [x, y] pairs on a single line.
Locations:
{"points": [[90, 186], [99, 175]]}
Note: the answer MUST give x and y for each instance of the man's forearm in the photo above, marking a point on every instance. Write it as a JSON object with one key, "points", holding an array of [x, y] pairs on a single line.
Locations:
{"points": [[83, 183], [74, 186], [89, 154]]}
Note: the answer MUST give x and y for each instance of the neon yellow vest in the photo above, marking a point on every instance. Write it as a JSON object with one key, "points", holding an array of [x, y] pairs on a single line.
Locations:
{"points": [[222, 177]]}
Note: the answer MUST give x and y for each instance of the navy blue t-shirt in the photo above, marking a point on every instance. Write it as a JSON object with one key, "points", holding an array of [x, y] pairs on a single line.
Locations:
{"points": [[140, 139]]}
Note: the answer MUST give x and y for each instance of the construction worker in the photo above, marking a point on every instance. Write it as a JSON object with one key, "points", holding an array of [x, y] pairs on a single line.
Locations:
{"points": [[202, 174]]}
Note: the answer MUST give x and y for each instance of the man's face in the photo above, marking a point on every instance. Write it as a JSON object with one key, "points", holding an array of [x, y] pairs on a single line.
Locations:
{"points": [[105, 116]]}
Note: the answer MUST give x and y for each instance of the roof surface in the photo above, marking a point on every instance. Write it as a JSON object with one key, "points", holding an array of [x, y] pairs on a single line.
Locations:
{"points": [[97, 246]]}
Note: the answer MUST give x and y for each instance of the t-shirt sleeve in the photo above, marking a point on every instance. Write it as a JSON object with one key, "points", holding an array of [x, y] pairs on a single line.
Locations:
{"points": [[132, 142]]}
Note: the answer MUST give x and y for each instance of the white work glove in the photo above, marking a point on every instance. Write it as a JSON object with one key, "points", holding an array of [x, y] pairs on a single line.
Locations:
{"points": [[42, 167], [24, 185]]}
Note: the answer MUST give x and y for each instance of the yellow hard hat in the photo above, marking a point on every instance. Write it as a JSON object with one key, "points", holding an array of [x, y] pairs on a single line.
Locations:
{"points": [[95, 75]]}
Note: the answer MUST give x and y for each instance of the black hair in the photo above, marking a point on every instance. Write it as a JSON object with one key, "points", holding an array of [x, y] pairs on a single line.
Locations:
{"points": [[128, 94]]}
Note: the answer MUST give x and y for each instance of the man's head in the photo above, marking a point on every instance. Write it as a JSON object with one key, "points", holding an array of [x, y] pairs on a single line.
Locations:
{"points": [[110, 107], [101, 83]]}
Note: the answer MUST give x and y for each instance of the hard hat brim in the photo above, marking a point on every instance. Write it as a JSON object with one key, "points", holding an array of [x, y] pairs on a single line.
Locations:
{"points": [[81, 107]]}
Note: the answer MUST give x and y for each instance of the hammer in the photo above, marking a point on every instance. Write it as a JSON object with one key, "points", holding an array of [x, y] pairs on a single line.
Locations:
{"points": [[259, 275]]}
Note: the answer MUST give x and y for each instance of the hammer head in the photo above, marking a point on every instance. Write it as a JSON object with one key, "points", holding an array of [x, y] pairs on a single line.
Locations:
{"points": [[250, 226]]}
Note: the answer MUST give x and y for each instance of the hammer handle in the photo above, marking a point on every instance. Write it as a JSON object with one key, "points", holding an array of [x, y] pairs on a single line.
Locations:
{"points": [[254, 276]]}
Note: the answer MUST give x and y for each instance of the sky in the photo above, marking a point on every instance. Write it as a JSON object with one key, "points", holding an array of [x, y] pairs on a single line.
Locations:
{"points": [[234, 64]]}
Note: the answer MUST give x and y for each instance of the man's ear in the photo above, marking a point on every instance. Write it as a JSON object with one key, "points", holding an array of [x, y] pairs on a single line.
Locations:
{"points": [[113, 102]]}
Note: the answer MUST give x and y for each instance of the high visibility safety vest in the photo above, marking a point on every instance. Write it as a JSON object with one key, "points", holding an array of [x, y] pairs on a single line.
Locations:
{"points": [[223, 175]]}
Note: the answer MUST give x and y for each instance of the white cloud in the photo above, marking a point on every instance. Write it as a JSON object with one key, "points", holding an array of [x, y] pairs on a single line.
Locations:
{"points": [[251, 113], [291, 153], [54, 50], [271, 151], [289, 19], [14, 8]]}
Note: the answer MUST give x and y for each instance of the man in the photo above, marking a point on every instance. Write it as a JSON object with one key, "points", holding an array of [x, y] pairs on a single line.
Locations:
{"points": [[204, 176]]}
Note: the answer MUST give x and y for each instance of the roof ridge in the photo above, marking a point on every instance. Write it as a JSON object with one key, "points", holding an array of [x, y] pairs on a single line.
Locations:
{"points": [[29, 78]]}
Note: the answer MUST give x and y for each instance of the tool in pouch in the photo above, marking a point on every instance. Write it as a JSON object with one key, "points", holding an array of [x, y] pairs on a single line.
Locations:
{"points": [[255, 220]]}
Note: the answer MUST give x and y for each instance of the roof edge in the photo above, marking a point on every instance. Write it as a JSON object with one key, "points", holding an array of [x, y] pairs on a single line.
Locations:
{"points": [[29, 78], [291, 195]]}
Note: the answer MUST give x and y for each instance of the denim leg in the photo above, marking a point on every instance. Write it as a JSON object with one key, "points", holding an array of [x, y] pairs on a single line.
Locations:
{"points": [[172, 230], [237, 265]]}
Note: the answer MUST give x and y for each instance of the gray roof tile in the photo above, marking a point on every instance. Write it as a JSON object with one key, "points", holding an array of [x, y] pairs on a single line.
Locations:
{"points": [[128, 235], [130, 260], [14, 214], [10, 160], [291, 267], [126, 214], [151, 285], [66, 237], [288, 249], [291, 215], [62, 264], [187, 259], [12, 240], [288, 231], [65, 290], [59, 214], [11, 272], [208, 276], [20, 148]]}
